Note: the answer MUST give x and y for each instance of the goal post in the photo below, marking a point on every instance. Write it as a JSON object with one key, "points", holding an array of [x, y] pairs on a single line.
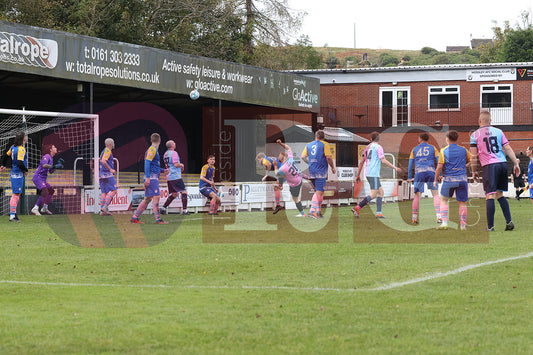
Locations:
{"points": [[75, 135]]}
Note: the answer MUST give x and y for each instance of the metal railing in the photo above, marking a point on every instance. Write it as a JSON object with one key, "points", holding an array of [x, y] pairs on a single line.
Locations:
{"points": [[519, 113]]}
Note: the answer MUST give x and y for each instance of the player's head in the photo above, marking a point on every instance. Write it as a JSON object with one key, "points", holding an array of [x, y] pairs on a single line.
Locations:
{"points": [[320, 135], [283, 156], [171, 145], [155, 138], [211, 159], [20, 139], [423, 137], [452, 136], [374, 136], [49, 149], [484, 118], [110, 143], [529, 151], [259, 157]]}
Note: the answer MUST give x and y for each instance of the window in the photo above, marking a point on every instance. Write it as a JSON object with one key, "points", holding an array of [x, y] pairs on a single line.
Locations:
{"points": [[496, 96], [443, 97]]}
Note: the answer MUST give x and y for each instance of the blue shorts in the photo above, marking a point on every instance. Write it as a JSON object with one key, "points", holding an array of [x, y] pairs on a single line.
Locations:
{"points": [[531, 192], [459, 187], [495, 178], [319, 184], [152, 189], [422, 179], [108, 184], [175, 186], [16, 184], [374, 182], [206, 191]]}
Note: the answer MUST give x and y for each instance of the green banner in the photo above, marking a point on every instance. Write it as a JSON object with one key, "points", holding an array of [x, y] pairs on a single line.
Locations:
{"points": [[64, 55]]}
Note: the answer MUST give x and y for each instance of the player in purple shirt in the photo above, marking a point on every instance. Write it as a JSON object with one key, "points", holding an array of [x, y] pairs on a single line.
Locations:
{"points": [[291, 174], [44, 189], [489, 145], [529, 153]]}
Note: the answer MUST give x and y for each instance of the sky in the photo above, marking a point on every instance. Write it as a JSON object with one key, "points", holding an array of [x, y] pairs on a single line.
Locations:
{"points": [[407, 24]]}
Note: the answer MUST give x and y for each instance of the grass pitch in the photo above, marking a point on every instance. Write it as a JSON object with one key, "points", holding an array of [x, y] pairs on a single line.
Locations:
{"points": [[263, 284]]}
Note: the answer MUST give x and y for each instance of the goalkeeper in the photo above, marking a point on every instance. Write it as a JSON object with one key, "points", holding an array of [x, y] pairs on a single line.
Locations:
{"points": [[44, 189]]}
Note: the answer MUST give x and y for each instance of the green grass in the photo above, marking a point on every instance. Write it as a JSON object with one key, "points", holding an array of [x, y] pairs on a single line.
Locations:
{"points": [[244, 292]]}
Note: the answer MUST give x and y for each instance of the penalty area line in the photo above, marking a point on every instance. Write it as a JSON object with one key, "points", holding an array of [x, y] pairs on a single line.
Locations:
{"points": [[390, 286]]}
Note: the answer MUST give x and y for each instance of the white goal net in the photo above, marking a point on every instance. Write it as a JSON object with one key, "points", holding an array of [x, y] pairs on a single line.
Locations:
{"points": [[74, 135]]}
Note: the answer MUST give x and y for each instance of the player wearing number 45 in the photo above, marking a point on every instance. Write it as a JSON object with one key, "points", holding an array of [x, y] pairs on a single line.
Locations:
{"points": [[422, 159], [108, 184], [291, 173], [152, 170], [373, 155], [19, 169], [44, 189], [453, 160], [489, 145]]}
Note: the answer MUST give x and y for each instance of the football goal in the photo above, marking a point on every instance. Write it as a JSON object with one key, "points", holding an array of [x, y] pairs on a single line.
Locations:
{"points": [[75, 136]]}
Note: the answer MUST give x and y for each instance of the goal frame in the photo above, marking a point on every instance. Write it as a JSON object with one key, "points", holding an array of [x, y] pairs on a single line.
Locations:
{"points": [[96, 130]]}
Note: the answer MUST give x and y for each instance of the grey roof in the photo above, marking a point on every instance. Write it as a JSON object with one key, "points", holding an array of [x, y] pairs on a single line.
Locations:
{"points": [[333, 134]]}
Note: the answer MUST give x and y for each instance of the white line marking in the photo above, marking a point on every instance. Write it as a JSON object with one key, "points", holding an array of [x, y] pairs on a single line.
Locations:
{"points": [[385, 287]]}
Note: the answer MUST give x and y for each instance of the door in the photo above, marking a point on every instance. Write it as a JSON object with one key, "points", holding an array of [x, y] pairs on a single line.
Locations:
{"points": [[394, 104], [498, 99]]}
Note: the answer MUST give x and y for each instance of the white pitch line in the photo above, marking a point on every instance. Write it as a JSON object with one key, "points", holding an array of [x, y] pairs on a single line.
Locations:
{"points": [[385, 287]]}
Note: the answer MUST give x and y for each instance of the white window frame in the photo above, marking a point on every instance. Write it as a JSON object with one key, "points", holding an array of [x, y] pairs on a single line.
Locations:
{"points": [[444, 92]]}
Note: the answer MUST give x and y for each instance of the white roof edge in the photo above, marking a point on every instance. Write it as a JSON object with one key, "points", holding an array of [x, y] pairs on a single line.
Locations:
{"points": [[413, 68]]}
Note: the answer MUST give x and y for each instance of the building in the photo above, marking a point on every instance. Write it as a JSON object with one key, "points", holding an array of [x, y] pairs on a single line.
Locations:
{"points": [[403, 101]]}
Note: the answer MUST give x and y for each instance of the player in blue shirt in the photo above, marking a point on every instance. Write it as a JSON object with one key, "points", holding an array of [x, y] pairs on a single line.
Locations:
{"points": [[318, 155], [453, 160], [19, 169], [152, 170], [423, 158], [207, 184], [373, 155], [529, 152], [108, 184]]}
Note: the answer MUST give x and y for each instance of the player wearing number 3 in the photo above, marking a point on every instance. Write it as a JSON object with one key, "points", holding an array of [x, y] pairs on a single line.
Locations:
{"points": [[318, 155], [491, 145], [422, 159]]}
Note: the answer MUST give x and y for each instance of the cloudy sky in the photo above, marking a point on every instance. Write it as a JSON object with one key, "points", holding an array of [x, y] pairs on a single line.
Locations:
{"points": [[408, 24]]}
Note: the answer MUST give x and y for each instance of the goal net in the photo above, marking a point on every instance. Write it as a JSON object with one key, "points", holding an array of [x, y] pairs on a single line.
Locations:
{"points": [[74, 135]]}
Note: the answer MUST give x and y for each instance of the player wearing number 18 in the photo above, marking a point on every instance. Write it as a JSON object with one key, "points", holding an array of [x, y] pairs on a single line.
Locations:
{"points": [[491, 145]]}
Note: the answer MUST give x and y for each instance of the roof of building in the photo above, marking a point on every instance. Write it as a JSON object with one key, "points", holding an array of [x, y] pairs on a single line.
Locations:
{"points": [[477, 42], [456, 48], [415, 68], [303, 133]]}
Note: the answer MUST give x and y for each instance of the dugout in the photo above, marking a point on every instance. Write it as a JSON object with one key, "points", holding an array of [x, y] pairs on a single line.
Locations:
{"points": [[138, 90]]}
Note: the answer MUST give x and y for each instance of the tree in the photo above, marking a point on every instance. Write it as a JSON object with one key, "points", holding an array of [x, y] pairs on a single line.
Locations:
{"points": [[388, 60], [518, 46]]}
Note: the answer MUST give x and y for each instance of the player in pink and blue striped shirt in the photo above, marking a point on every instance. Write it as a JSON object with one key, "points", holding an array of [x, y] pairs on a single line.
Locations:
{"points": [[490, 145]]}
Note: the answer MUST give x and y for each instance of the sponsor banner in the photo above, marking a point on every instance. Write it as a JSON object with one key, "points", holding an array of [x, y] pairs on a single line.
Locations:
{"points": [[491, 74], [121, 201], [347, 174], [64, 55], [263, 192], [524, 73]]}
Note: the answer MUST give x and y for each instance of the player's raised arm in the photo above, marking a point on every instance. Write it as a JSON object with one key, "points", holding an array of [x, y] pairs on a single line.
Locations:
{"points": [[389, 164], [285, 146]]}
